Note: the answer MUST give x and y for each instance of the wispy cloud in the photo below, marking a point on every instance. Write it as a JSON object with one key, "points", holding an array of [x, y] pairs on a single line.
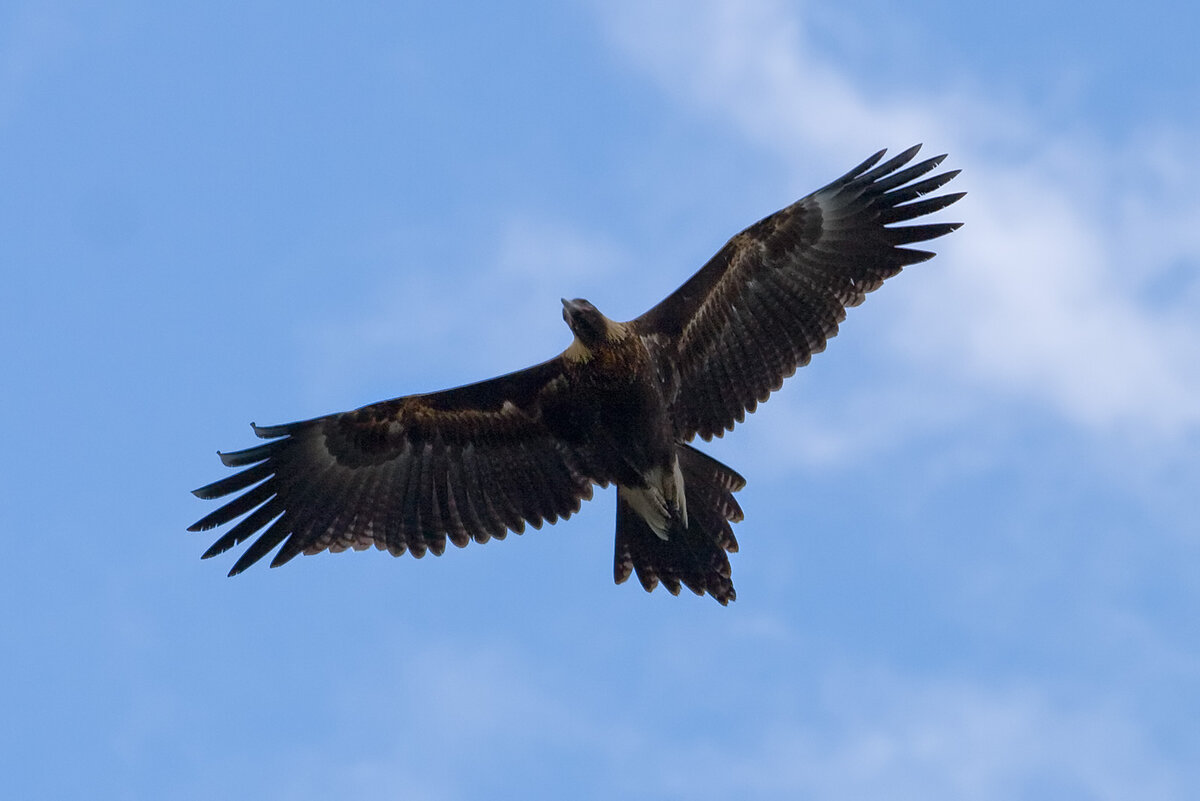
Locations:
{"points": [[1075, 286], [881, 737], [456, 721], [507, 316], [36, 38], [858, 734]]}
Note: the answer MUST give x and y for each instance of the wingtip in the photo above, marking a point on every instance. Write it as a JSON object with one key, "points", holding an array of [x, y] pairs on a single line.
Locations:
{"points": [[248, 456], [271, 432], [867, 164]]}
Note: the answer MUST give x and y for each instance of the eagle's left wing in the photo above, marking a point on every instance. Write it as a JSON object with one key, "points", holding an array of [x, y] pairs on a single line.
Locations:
{"points": [[467, 463], [776, 292]]}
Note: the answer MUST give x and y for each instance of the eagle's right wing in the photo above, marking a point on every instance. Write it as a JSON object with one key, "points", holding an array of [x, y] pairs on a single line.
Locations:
{"points": [[468, 463], [773, 296]]}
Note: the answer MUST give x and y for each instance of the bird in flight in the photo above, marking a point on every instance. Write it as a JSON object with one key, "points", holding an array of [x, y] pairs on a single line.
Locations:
{"points": [[618, 406]]}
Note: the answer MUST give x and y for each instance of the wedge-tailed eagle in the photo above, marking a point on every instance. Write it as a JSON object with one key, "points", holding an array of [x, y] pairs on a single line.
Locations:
{"points": [[618, 406]]}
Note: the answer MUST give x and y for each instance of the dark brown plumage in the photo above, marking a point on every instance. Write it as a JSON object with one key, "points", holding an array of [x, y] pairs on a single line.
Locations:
{"points": [[618, 406]]}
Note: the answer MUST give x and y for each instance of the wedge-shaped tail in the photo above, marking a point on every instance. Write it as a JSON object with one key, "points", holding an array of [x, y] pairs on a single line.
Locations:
{"points": [[695, 557]]}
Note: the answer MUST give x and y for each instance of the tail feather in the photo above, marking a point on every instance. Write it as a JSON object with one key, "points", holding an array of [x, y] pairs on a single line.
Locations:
{"points": [[693, 556]]}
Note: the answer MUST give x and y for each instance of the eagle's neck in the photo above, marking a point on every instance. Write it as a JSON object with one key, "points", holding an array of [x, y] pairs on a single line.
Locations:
{"points": [[593, 331]]}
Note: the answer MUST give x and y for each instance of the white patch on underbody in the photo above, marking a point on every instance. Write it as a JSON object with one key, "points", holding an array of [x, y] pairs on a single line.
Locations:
{"points": [[654, 503]]}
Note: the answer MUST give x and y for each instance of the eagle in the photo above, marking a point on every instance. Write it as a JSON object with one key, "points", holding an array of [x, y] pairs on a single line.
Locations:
{"points": [[619, 406]]}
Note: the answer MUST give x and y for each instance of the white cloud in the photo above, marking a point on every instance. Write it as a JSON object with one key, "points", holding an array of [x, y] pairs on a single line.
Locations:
{"points": [[453, 721], [505, 317], [878, 737], [1050, 298], [555, 255], [462, 713]]}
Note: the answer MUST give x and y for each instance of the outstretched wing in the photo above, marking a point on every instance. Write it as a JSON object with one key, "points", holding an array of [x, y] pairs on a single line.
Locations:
{"points": [[405, 474], [773, 296]]}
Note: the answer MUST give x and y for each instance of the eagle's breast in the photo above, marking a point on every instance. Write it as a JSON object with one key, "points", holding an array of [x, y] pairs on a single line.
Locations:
{"points": [[611, 405]]}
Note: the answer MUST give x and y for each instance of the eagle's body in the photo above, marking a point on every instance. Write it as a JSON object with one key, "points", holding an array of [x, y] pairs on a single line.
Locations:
{"points": [[619, 396], [618, 406]]}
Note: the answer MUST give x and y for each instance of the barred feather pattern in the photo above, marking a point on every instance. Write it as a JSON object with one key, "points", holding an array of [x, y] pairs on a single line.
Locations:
{"points": [[399, 475], [775, 294]]}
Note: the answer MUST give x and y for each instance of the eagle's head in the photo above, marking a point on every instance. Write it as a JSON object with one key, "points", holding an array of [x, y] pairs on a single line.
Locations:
{"points": [[588, 325]]}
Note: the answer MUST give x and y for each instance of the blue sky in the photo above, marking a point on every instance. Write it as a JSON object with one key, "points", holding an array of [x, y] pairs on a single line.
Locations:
{"points": [[969, 560]]}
